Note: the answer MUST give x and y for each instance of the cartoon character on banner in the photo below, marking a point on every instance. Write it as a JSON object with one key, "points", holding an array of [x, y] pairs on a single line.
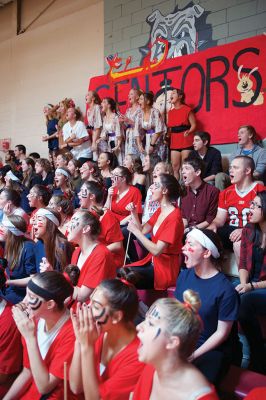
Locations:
{"points": [[245, 87]]}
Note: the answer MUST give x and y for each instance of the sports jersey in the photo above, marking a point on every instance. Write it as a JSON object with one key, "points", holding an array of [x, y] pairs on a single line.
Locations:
{"points": [[237, 204]]}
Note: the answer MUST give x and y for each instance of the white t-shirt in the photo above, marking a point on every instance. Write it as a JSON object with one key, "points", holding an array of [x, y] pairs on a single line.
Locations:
{"points": [[44, 338], [80, 131]]}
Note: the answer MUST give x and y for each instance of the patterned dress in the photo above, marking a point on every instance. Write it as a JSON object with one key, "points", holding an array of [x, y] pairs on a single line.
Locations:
{"points": [[130, 140], [110, 133], [146, 129]]}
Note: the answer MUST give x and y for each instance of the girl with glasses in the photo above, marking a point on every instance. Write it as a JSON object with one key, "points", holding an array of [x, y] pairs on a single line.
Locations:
{"points": [[252, 274], [159, 269]]}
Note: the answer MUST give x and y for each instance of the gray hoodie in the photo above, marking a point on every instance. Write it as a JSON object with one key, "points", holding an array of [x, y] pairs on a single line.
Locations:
{"points": [[258, 154]]}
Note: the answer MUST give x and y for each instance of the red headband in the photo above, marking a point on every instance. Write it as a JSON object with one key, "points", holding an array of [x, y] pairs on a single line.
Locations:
{"points": [[126, 282], [67, 278]]}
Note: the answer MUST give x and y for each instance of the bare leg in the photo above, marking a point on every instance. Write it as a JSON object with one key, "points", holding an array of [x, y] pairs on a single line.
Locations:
{"points": [[176, 162], [184, 154]]}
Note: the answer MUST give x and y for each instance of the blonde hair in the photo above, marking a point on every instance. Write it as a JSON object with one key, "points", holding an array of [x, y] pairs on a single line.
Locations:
{"points": [[183, 320]]}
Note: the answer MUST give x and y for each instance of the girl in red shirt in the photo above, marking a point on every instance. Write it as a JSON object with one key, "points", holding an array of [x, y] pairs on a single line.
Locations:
{"points": [[91, 198], [48, 338], [121, 194], [160, 268], [93, 258], [105, 362], [10, 342], [168, 337], [181, 124]]}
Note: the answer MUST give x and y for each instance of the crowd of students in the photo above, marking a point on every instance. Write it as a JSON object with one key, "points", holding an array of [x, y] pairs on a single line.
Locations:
{"points": [[107, 215]]}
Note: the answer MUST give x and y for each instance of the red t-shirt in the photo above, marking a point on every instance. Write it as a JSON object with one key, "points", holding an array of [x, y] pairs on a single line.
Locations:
{"points": [[97, 267], [237, 204], [119, 208], [257, 394], [122, 372], [178, 118], [166, 265], [60, 351], [10, 346], [143, 388], [111, 233]]}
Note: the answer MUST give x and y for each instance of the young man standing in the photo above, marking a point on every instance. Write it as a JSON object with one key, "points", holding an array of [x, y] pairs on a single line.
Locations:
{"points": [[20, 154]]}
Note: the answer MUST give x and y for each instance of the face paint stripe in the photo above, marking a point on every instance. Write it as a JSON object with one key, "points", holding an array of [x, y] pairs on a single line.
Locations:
{"points": [[35, 304], [157, 334]]}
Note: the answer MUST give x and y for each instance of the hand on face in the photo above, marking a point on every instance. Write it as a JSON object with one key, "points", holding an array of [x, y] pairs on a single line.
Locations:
{"points": [[25, 324], [86, 329]]}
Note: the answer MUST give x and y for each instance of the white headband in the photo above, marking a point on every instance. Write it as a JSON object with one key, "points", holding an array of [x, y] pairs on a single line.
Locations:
{"points": [[42, 212], [12, 176], [50, 106], [62, 171], [8, 225], [203, 239]]}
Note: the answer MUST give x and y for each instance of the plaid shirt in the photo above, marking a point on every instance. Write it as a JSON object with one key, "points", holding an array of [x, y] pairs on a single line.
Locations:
{"points": [[246, 252]]}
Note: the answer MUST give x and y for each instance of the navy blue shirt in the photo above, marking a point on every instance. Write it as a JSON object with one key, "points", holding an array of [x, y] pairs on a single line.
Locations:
{"points": [[51, 129], [49, 180], [25, 267], [219, 300], [212, 161]]}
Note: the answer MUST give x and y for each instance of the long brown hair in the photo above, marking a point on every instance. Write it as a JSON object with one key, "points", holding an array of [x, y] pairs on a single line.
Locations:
{"points": [[57, 248], [28, 174], [14, 244]]}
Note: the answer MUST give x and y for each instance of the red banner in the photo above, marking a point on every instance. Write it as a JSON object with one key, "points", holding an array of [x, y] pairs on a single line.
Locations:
{"points": [[224, 85]]}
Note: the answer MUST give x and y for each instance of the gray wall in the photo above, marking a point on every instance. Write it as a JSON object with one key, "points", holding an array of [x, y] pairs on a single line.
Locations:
{"points": [[126, 28]]}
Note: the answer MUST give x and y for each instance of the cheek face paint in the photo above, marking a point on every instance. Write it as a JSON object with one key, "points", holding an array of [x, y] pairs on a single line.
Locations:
{"points": [[40, 224], [190, 250], [84, 193], [35, 304], [101, 318], [157, 334]]}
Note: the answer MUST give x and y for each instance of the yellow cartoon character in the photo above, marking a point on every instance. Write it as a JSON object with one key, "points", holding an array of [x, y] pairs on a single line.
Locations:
{"points": [[245, 88]]}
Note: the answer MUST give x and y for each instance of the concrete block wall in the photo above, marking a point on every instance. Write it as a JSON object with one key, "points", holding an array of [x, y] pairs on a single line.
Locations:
{"points": [[126, 28]]}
